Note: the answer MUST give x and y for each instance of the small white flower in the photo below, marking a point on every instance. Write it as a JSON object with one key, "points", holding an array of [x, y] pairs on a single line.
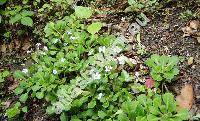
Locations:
{"points": [[25, 70], [116, 49], [91, 52], [29, 51], [133, 61], [54, 71], [38, 44], [45, 48], [62, 60], [65, 44], [121, 60], [100, 96], [102, 49], [108, 68], [96, 76], [72, 38], [68, 32], [137, 74]]}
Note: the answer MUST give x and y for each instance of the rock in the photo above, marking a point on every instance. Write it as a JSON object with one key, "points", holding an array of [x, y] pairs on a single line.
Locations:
{"points": [[190, 61], [186, 98]]}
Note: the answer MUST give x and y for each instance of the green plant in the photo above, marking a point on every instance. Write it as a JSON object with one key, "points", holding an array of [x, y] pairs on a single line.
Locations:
{"points": [[142, 5], [157, 108], [163, 67], [3, 75], [187, 14], [19, 14]]}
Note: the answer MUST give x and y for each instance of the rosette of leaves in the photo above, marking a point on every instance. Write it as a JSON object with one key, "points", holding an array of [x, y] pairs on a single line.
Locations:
{"points": [[163, 67], [156, 108]]}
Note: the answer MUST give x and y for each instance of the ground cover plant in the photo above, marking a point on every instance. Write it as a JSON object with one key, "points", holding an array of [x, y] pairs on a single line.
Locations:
{"points": [[78, 70]]}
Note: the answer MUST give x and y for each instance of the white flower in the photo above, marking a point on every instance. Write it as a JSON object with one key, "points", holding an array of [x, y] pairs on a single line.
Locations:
{"points": [[38, 44], [91, 52], [62, 60], [133, 61], [29, 51], [65, 44], [137, 74], [100, 96], [45, 48], [102, 49], [108, 68], [68, 32], [72, 38], [116, 49], [96, 76], [54, 71], [121, 60], [25, 70]]}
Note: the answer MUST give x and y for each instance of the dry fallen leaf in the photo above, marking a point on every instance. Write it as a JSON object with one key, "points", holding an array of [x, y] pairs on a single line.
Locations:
{"points": [[185, 99], [3, 48], [187, 31]]}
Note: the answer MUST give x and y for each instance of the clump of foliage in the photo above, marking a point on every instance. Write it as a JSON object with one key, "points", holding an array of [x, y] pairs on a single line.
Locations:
{"points": [[3, 75], [156, 108], [18, 14], [163, 67], [142, 5]]}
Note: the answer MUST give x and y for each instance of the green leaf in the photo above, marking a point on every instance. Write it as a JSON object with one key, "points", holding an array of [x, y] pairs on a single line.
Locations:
{"points": [[18, 74], [27, 21], [94, 27], [169, 101], [123, 117], [183, 114], [25, 109], [101, 114], [92, 104], [26, 13], [15, 19], [13, 111], [63, 117], [2, 2], [50, 109], [18, 90], [40, 95], [23, 97], [5, 73], [83, 12]]}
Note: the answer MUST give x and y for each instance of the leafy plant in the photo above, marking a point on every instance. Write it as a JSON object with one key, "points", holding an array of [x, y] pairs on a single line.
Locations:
{"points": [[3, 75], [158, 108], [163, 67], [18, 14], [142, 5]]}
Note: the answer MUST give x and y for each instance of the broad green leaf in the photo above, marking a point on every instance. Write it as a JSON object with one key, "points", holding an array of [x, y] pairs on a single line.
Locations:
{"points": [[27, 21], [11, 112], [26, 13], [23, 97], [83, 12], [15, 19], [168, 99], [94, 27], [18, 74], [92, 104], [18, 90], [25, 109], [50, 109], [40, 95], [63, 117], [102, 114], [5, 73], [123, 117], [183, 114]]}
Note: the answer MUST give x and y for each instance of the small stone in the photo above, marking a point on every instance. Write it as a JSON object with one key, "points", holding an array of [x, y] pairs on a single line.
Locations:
{"points": [[190, 61]]}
